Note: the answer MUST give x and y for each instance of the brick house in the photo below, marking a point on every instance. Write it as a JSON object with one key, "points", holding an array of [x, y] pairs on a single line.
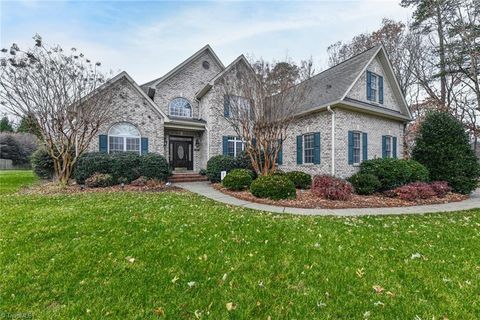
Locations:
{"points": [[355, 111]]}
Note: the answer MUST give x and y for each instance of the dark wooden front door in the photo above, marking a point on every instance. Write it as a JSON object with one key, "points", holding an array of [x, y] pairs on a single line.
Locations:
{"points": [[181, 153]]}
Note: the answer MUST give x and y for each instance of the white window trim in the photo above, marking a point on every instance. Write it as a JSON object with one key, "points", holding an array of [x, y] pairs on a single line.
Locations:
{"points": [[181, 116], [304, 149], [124, 138], [360, 147], [235, 140]]}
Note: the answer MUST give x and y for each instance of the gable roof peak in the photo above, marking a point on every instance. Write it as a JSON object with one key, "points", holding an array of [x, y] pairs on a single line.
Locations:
{"points": [[194, 56]]}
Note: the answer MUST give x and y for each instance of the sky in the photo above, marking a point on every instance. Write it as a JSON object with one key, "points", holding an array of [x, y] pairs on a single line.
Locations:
{"points": [[149, 38]]}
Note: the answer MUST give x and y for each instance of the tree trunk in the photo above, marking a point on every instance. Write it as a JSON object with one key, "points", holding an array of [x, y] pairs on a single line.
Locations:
{"points": [[441, 47]]}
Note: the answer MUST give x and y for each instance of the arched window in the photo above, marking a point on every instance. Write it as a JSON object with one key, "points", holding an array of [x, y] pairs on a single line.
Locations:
{"points": [[180, 107], [123, 137]]}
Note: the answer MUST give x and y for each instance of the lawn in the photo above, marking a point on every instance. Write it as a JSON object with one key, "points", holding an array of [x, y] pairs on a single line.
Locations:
{"points": [[180, 256]]}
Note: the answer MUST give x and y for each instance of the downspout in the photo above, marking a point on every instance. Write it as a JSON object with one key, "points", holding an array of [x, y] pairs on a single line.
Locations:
{"points": [[332, 166]]}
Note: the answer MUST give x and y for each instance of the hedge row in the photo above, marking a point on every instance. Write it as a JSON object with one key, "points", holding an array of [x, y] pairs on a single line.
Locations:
{"points": [[123, 167]]}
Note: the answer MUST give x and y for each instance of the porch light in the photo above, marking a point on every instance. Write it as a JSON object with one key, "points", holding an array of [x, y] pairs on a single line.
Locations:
{"points": [[197, 144]]}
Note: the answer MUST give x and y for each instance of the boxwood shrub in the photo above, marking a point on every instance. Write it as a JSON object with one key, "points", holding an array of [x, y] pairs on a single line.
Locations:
{"points": [[301, 180], [90, 163], [393, 173], [42, 164], [123, 167], [274, 187], [154, 166], [238, 179], [217, 164], [364, 183]]}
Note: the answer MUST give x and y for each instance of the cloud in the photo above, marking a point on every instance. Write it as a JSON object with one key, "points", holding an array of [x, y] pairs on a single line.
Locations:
{"points": [[148, 39]]}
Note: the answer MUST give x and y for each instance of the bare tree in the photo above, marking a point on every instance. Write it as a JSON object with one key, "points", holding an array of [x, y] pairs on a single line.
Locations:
{"points": [[60, 92], [260, 109]]}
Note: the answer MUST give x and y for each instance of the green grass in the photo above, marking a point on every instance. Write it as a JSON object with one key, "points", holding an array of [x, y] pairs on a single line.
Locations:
{"points": [[66, 257], [13, 180]]}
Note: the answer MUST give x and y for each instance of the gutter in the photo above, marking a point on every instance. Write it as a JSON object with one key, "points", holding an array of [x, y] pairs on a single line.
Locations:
{"points": [[332, 166]]}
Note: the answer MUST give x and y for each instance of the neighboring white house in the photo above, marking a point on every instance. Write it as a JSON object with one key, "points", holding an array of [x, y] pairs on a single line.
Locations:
{"points": [[355, 111]]}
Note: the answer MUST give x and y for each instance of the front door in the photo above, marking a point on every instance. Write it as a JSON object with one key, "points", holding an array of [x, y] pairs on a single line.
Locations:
{"points": [[181, 153]]}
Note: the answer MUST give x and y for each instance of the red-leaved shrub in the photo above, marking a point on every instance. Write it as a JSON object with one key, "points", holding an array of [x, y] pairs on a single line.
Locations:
{"points": [[414, 191], [441, 188], [331, 188]]}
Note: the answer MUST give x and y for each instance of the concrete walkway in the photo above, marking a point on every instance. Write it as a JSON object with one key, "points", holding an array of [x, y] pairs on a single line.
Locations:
{"points": [[206, 190]]}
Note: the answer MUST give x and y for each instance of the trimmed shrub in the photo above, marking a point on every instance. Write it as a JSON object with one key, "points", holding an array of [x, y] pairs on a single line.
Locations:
{"points": [[238, 179], [126, 165], [443, 147], [441, 188], [414, 191], [274, 187], [242, 161], [393, 173], [90, 163], [364, 183], [301, 180], [202, 172], [217, 164], [331, 188], [99, 180], [42, 164], [154, 166]]}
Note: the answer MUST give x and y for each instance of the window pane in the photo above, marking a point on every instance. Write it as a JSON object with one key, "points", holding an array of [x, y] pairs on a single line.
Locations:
{"points": [[308, 148], [388, 147], [180, 107], [133, 144], [116, 144], [231, 148], [356, 147]]}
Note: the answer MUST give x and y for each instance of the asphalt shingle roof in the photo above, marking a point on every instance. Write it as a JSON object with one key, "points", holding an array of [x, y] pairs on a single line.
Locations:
{"points": [[330, 85]]}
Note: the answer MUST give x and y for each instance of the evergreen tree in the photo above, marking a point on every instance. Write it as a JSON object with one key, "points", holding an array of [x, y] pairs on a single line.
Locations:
{"points": [[443, 147], [5, 125], [29, 125]]}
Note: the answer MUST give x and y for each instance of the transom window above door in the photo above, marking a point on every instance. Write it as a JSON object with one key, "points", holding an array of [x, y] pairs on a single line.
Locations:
{"points": [[180, 107], [123, 137]]}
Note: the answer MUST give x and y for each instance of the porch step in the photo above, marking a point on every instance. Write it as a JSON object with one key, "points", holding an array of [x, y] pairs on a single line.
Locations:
{"points": [[187, 177]]}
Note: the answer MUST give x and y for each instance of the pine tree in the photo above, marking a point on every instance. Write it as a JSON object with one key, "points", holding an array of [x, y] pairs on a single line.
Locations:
{"points": [[5, 125], [443, 147]]}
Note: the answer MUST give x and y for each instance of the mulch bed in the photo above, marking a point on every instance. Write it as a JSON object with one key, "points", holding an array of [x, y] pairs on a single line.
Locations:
{"points": [[306, 199], [53, 188]]}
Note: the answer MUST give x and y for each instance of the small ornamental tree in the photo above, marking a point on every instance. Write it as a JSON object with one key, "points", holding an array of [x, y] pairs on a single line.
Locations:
{"points": [[63, 95], [443, 147]]}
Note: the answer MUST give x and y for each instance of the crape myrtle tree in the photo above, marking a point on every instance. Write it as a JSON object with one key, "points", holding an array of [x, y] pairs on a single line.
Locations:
{"points": [[259, 104], [59, 92], [443, 147]]}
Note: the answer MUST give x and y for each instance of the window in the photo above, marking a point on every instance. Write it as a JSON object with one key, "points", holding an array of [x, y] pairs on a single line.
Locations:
{"points": [[206, 65], [357, 146], [373, 87], [180, 107], [308, 147], [388, 146], [235, 146], [123, 137], [237, 106]]}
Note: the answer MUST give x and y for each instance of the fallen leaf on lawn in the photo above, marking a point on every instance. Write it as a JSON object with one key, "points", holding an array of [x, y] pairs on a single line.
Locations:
{"points": [[198, 314], [231, 306], [378, 289], [191, 283], [360, 273], [130, 259], [175, 279], [159, 311], [378, 303], [391, 294], [416, 256], [224, 277]]}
